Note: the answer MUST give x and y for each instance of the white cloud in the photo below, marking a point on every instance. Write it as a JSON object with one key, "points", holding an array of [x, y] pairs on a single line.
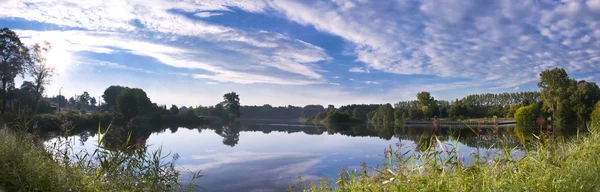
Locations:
{"points": [[207, 14], [358, 70], [372, 82], [103, 42], [468, 39], [85, 61], [212, 83], [136, 18]]}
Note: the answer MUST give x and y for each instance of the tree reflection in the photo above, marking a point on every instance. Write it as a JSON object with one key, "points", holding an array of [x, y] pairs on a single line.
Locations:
{"points": [[136, 134]]}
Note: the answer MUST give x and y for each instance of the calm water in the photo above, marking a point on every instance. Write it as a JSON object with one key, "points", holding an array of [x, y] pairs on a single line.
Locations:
{"points": [[268, 156]]}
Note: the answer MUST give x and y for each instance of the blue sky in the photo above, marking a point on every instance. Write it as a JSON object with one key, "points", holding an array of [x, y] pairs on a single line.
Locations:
{"points": [[283, 52]]}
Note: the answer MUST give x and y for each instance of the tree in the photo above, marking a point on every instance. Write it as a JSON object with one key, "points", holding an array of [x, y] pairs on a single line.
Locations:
{"points": [[93, 101], [428, 104], [330, 107], [583, 100], [357, 114], [556, 88], [40, 70], [526, 116], [14, 59], [596, 115], [72, 102], [110, 96], [174, 110], [84, 99], [132, 102], [458, 110], [512, 110], [231, 104], [61, 100]]}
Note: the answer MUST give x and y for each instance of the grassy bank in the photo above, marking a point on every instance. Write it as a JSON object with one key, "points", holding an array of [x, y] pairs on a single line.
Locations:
{"points": [[28, 165], [549, 164]]}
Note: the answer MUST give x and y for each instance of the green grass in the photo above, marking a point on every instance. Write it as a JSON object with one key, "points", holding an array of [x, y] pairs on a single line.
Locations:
{"points": [[548, 164], [28, 165]]}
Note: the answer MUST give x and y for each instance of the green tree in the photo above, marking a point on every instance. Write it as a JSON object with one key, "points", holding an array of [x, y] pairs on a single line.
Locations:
{"points": [[526, 116], [415, 114], [458, 110], [357, 114], [428, 104], [61, 100], [231, 104], [330, 107], [384, 114], [14, 59], [512, 110], [174, 109], [93, 101], [556, 89], [133, 102], [84, 99], [110, 96], [72, 102], [596, 114], [583, 100]]}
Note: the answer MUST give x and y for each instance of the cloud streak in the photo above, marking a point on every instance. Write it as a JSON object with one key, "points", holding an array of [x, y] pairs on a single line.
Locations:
{"points": [[503, 42]]}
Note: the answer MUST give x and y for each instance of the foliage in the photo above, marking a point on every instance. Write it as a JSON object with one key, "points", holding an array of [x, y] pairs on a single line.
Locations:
{"points": [[512, 110], [556, 89], [132, 102], [311, 110], [596, 115], [383, 114], [583, 100], [174, 110], [526, 116], [93, 101], [428, 104], [415, 114], [231, 104], [110, 96], [27, 166], [269, 112], [14, 60], [553, 164]]}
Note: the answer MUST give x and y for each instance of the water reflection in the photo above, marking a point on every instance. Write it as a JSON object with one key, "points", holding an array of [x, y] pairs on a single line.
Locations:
{"points": [[264, 156]]}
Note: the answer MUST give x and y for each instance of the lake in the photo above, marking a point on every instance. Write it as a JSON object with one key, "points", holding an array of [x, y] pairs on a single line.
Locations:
{"points": [[268, 156]]}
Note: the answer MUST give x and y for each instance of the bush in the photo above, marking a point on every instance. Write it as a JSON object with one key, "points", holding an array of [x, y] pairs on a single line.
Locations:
{"points": [[526, 116], [596, 115]]}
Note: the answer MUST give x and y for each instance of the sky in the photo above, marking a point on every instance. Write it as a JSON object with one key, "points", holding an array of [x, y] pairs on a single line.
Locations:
{"points": [[282, 52]]}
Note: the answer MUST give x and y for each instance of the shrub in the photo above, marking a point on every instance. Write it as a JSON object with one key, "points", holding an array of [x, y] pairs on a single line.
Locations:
{"points": [[596, 115], [526, 116]]}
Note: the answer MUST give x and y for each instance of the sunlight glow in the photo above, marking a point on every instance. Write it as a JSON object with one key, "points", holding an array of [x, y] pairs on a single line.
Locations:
{"points": [[58, 56]]}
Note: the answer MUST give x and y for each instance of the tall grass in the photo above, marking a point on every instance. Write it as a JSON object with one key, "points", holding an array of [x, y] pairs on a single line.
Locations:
{"points": [[547, 164], [26, 164]]}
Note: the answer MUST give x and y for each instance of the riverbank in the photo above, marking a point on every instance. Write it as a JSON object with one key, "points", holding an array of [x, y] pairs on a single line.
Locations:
{"points": [[548, 164], [27, 164], [44, 123]]}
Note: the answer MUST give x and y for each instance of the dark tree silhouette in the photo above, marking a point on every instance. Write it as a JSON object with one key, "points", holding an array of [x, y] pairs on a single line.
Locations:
{"points": [[14, 58]]}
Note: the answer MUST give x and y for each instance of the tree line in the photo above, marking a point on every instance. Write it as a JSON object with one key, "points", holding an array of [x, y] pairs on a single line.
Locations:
{"points": [[16, 60]]}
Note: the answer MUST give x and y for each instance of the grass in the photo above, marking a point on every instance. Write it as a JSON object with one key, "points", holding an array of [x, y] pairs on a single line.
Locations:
{"points": [[26, 164], [547, 164]]}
